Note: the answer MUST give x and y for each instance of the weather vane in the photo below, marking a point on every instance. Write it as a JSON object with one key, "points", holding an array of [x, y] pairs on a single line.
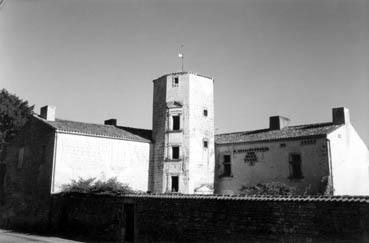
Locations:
{"points": [[180, 55]]}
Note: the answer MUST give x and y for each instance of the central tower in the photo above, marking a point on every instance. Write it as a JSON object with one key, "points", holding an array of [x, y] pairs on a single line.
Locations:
{"points": [[183, 134]]}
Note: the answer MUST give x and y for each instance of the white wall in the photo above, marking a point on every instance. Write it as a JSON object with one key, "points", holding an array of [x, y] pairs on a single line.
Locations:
{"points": [[350, 162], [272, 165], [202, 160], [103, 158]]}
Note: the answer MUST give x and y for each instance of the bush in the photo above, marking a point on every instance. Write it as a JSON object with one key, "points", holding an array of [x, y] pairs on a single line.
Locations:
{"points": [[272, 188], [91, 186]]}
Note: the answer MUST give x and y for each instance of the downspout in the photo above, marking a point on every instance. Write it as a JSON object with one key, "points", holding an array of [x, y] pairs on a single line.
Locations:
{"points": [[330, 164]]}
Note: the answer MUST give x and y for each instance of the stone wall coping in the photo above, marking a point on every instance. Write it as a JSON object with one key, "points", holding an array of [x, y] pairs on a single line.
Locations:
{"points": [[143, 196]]}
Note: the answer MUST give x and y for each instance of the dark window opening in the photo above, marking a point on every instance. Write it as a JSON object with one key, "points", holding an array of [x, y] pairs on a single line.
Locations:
{"points": [[175, 82], [282, 145], [295, 166], [205, 143], [205, 112], [174, 183], [227, 165], [176, 124], [175, 152]]}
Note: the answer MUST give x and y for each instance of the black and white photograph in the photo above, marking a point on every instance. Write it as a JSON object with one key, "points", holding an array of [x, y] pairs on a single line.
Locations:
{"points": [[184, 121]]}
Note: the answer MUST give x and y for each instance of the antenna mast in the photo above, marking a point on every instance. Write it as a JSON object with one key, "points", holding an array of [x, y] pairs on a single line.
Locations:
{"points": [[180, 55]]}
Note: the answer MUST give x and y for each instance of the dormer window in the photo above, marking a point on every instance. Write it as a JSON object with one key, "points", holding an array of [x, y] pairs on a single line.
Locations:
{"points": [[175, 82]]}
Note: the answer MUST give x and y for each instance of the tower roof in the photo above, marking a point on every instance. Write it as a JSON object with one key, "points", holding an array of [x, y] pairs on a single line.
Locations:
{"points": [[183, 73]]}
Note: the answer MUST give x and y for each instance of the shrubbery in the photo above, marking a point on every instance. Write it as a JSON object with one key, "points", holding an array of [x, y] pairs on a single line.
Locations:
{"points": [[272, 188], [91, 185]]}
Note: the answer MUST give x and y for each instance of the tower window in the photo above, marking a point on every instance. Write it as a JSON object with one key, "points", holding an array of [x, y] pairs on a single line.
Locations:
{"points": [[227, 165], [295, 166], [175, 82], [205, 143], [176, 125], [205, 112], [175, 152], [175, 184]]}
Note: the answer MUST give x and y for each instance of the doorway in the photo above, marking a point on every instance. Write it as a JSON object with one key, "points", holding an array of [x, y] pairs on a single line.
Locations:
{"points": [[129, 218], [174, 183]]}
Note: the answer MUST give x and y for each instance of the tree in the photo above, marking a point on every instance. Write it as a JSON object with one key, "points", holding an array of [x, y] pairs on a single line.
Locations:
{"points": [[14, 113]]}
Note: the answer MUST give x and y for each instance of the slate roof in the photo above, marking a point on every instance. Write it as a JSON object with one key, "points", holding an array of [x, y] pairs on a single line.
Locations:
{"points": [[289, 132], [100, 130]]}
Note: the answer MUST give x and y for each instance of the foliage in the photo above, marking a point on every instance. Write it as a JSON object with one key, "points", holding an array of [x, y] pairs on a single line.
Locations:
{"points": [[272, 188], [14, 113], [91, 186]]}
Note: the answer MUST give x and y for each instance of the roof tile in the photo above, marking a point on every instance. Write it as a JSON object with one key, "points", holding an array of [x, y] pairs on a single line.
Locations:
{"points": [[125, 133], [285, 133]]}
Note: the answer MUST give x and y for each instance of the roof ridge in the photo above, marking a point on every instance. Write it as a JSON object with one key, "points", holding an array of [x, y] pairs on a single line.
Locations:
{"points": [[268, 129], [99, 124], [146, 129]]}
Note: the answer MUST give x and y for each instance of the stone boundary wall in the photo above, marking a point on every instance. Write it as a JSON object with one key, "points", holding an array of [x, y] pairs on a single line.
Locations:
{"points": [[160, 218]]}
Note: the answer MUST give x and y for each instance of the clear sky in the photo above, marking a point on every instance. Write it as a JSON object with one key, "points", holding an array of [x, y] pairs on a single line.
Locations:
{"points": [[96, 59]]}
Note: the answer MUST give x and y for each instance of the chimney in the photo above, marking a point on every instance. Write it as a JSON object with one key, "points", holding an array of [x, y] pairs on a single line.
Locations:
{"points": [[111, 122], [340, 116], [48, 112], [278, 122]]}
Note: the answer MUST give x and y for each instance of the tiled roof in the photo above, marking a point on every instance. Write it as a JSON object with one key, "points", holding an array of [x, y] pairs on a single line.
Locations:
{"points": [[145, 133], [99, 130], [285, 133]]}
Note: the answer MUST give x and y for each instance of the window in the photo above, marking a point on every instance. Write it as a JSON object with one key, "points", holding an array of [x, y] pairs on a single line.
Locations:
{"points": [[175, 152], [282, 145], [20, 158], [175, 82], [174, 183], [205, 143], [251, 158], [227, 165], [205, 112], [295, 166], [176, 125]]}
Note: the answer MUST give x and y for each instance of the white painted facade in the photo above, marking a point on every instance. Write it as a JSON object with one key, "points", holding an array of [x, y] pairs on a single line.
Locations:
{"points": [[190, 97], [350, 162], [83, 156]]}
